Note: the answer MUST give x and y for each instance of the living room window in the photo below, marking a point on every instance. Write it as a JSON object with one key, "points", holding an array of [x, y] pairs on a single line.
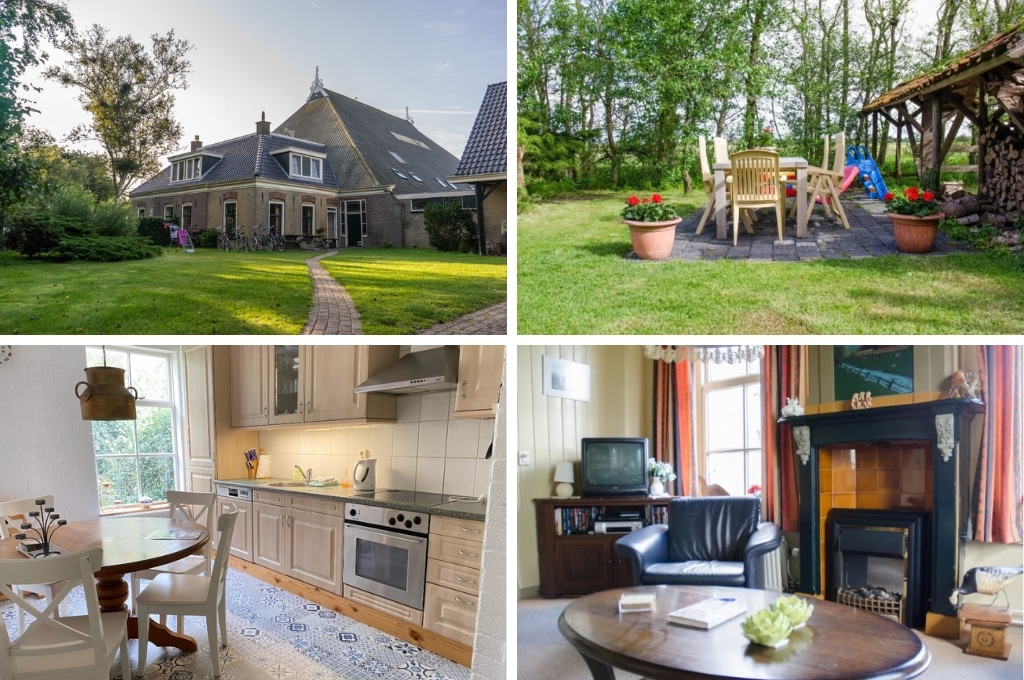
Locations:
{"points": [[276, 219], [729, 417], [186, 215], [138, 459]]}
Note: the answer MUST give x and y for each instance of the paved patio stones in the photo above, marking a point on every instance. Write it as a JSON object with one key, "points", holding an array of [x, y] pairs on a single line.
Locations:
{"points": [[870, 235]]}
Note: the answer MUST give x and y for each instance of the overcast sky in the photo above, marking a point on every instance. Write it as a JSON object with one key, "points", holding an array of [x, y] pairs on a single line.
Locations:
{"points": [[435, 57]]}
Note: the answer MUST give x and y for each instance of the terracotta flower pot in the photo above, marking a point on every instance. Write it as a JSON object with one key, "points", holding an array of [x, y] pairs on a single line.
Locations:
{"points": [[652, 240], [915, 234]]}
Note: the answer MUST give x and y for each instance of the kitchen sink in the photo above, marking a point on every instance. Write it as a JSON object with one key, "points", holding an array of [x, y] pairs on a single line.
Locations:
{"points": [[287, 484]]}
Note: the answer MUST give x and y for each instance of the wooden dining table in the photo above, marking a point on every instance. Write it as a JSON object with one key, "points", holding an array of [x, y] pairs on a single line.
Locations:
{"points": [[128, 546], [789, 164]]}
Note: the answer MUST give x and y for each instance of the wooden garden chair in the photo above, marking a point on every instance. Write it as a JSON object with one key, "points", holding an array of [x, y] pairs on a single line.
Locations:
{"points": [[823, 183], [709, 183], [756, 184]]}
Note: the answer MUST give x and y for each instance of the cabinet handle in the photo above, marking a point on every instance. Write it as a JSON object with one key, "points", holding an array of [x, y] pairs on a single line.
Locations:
{"points": [[469, 531], [465, 580], [466, 602], [466, 554], [309, 407], [288, 522], [464, 384], [264, 411]]}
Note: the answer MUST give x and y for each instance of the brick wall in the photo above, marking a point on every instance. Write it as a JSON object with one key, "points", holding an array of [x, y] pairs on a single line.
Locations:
{"points": [[383, 221], [495, 212]]}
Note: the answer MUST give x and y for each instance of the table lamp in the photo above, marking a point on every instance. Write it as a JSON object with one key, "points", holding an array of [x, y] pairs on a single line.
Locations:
{"points": [[563, 479]]}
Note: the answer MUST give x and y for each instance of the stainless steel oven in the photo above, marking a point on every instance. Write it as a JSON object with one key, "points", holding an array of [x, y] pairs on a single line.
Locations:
{"points": [[386, 552]]}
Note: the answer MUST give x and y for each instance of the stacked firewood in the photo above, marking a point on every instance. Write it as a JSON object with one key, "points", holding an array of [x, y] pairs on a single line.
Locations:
{"points": [[1004, 167], [970, 210]]}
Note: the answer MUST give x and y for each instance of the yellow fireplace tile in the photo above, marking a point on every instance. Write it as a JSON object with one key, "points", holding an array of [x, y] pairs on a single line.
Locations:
{"points": [[867, 480], [867, 457], [844, 459], [844, 481], [912, 481], [825, 503], [873, 501], [844, 500], [826, 482], [889, 480], [890, 459], [825, 459], [913, 457]]}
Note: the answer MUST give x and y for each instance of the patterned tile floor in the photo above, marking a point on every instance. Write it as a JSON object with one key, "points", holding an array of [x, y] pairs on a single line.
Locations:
{"points": [[274, 635]]}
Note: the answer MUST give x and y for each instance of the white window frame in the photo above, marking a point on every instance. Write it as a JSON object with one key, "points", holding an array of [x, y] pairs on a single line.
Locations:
{"points": [[703, 388], [270, 212], [187, 169], [142, 212], [312, 224], [174, 403], [186, 223], [224, 213], [296, 166], [169, 212], [332, 222]]}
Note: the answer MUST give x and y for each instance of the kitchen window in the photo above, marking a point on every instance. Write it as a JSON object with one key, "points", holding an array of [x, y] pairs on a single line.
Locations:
{"points": [[729, 417], [138, 459]]}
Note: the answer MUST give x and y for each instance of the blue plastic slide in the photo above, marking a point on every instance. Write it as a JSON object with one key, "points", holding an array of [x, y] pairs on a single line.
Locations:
{"points": [[870, 176]]}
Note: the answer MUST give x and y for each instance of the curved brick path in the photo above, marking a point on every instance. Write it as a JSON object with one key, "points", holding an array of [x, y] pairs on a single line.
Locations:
{"points": [[333, 313]]}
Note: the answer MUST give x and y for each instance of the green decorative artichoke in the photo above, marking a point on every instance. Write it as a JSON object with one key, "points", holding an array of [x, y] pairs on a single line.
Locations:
{"points": [[797, 609], [767, 627]]}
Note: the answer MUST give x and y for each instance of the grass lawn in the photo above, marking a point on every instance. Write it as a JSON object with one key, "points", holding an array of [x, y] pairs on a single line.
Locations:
{"points": [[209, 292], [402, 292], [572, 279]]}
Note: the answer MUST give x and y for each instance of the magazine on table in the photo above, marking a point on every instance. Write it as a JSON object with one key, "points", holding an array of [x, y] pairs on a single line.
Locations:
{"points": [[175, 534], [708, 613]]}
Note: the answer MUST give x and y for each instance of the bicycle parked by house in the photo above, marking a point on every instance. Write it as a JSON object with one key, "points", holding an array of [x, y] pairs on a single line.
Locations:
{"points": [[226, 238], [276, 240]]}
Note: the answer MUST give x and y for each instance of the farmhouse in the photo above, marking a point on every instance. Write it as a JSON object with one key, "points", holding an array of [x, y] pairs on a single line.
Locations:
{"points": [[337, 168]]}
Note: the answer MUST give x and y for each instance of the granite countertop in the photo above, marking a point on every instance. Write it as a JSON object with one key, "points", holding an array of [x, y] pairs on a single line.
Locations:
{"points": [[472, 510]]}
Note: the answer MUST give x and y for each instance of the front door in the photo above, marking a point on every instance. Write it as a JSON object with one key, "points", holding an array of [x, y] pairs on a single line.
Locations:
{"points": [[354, 228]]}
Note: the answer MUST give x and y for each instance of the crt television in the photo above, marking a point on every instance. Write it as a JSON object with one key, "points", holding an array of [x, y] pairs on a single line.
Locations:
{"points": [[614, 466]]}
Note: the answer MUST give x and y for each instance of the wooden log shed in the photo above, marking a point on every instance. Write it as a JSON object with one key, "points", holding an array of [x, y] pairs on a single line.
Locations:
{"points": [[986, 87]]}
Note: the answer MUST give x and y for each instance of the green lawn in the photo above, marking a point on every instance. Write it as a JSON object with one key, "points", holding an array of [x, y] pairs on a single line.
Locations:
{"points": [[572, 279], [209, 292], [405, 291]]}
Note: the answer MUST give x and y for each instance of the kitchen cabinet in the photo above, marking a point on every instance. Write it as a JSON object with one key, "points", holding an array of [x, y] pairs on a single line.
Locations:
{"points": [[480, 369], [453, 578], [241, 537], [300, 537], [308, 384]]}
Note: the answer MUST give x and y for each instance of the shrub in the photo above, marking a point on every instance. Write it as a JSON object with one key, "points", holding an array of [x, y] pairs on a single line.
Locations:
{"points": [[153, 229], [34, 233], [112, 219], [72, 200], [205, 238], [450, 228], [103, 249]]}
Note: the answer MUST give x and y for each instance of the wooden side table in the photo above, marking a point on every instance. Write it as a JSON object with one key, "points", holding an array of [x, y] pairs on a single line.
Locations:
{"points": [[988, 631]]}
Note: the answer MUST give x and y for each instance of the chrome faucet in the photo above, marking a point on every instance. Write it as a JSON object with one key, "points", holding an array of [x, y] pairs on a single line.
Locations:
{"points": [[307, 476]]}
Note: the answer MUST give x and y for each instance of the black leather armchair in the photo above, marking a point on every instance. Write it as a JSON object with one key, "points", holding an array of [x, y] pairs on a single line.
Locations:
{"points": [[717, 540]]}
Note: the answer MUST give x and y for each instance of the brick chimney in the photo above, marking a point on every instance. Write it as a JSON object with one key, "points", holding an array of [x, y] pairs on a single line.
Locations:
{"points": [[262, 126], [196, 144]]}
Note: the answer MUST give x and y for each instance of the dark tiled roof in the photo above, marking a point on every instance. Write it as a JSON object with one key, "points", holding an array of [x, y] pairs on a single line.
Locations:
{"points": [[992, 53], [360, 139], [487, 149], [245, 158]]}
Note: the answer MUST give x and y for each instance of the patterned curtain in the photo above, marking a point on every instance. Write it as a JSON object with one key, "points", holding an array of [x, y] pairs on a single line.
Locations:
{"points": [[996, 501], [784, 374], [673, 422]]}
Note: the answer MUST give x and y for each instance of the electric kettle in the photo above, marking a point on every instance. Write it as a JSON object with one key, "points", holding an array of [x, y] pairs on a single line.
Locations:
{"points": [[363, 474]]}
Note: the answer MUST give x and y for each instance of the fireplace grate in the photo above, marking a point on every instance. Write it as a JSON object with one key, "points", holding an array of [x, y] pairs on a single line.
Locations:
{"points": [[890, 608]]}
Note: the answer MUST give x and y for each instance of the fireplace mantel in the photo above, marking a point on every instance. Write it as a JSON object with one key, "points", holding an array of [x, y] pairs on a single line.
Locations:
{"points": [[943, 423]]}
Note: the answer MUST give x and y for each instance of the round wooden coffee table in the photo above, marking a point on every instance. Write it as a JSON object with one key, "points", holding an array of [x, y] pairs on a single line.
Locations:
{"points": [[126, 548], [838, 642]]}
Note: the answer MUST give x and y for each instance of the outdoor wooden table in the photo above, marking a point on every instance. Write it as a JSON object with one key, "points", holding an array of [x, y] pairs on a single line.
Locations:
{"points": [[837, 643], [126, 548], [794, 164]]}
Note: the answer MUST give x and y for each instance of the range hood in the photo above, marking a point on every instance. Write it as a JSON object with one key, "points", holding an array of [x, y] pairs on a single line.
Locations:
{"points": [[429, 370]]}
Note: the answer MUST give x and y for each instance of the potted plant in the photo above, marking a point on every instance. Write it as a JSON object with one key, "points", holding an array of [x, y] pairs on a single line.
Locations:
{"points": [[660, 473], [652, 226], [915, 219]]}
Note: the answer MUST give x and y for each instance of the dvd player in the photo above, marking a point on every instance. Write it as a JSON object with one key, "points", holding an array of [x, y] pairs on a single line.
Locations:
{"points": [[617, 526]]}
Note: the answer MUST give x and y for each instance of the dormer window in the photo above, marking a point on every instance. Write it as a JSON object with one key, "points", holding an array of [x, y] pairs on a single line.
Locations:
{"points": [[305, 166], [190, 168]]}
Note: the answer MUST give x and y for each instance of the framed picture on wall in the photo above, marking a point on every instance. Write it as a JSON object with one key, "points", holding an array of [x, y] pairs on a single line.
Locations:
{"points": [[882, 370], [564, 378]]}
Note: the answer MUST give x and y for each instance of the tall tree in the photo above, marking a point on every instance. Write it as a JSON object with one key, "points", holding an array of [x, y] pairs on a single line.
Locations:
{"points": [[130, 95]]}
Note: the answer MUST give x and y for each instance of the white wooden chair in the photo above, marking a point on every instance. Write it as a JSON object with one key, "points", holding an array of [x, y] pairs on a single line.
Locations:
{"points": [[756, 184], [709, 182], [192, 506], [190, 595], [12, 515], [66, 647]]}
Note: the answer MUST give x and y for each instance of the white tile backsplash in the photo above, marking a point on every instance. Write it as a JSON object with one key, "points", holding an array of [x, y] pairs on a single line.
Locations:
{"points": [[425, 450]]}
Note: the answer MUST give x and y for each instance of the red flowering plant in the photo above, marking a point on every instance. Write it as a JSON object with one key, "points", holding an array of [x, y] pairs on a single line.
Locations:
{"points": [[651, 209], [913, 202]]}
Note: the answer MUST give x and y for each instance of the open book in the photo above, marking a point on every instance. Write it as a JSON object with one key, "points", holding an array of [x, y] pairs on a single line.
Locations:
{"points": [[708, 613]]}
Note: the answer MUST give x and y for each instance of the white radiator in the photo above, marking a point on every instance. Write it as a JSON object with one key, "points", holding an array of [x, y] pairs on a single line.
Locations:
{"points": [[774, 568]]}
